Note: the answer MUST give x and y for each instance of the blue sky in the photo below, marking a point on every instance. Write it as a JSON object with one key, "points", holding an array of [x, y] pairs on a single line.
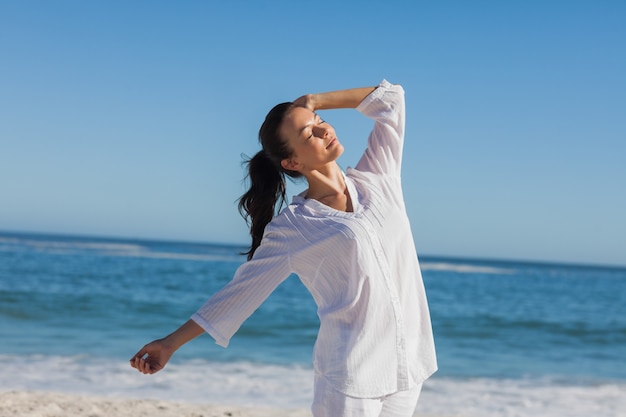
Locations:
{"points": [[129, 119]]}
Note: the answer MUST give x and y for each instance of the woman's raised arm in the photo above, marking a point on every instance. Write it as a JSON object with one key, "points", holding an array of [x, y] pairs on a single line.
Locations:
{"points": [[340, 99]]}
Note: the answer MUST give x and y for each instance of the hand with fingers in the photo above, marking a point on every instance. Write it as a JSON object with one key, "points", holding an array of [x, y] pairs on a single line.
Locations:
{"points": [[152, 357], [306, 101]]}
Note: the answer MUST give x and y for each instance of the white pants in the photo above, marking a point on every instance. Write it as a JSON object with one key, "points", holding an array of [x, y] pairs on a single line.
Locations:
{"points": [[328, 402]]}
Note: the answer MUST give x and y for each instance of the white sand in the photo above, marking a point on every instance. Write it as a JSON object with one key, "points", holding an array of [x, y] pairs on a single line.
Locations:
{"points": [[45, 404]]}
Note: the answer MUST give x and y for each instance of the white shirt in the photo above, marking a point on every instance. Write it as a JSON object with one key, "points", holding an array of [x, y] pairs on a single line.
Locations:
{"points": [[361, 268]]}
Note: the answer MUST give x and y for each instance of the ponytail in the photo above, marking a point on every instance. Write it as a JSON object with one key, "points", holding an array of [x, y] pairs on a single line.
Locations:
{"points": [[259, 204], [267, 192]]}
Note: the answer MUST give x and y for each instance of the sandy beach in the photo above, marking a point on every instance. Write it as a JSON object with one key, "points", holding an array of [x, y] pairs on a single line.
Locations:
{"points": [[47, 404]]}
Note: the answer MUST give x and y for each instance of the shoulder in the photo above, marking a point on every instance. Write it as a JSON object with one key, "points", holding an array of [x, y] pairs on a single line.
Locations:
{"points": [[286, 222], [280, 224]]}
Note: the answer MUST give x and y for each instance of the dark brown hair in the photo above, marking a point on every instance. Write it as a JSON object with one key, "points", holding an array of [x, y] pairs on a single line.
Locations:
{"points": [[266, 175]]}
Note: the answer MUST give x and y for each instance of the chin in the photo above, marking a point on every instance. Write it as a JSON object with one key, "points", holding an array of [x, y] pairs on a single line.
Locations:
{"points": [[338, 150]]}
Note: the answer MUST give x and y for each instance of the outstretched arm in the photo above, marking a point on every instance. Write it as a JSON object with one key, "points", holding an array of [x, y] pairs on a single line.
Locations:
{"points": [[153, 356], [340, 99]]}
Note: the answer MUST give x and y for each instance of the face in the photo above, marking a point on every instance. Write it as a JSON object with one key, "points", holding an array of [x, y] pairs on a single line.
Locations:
{"points": [[313, 141]]}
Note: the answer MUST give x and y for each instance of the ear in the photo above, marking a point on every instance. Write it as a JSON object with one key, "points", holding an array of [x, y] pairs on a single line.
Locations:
{"points": [[290, 164]]}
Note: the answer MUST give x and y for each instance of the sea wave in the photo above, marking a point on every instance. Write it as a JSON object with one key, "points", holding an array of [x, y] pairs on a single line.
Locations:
{"points": [[547, 397], [196, 381], [463, 268], [114, 249], [254, 384]]}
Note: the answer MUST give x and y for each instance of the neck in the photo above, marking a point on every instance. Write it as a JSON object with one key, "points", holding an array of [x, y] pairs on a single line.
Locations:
{"points": [[326, 181]]}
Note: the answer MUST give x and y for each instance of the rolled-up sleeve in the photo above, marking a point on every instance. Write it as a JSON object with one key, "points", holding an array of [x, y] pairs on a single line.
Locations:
{"points": [[223, 314], [384, 149]]}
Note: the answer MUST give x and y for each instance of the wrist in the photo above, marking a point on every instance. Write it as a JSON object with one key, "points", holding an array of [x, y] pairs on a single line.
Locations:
{"points": [[312, 102], [182, 335], [171, 342]]}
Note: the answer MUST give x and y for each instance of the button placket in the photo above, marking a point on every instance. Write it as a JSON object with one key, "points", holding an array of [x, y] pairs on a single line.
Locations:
{"points": [[395, 302]]}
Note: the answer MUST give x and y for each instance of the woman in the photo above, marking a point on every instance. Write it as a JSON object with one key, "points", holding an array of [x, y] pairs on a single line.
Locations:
{"points": [[349, 240]]}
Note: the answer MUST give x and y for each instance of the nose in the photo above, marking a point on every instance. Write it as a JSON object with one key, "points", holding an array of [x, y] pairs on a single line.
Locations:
{"points": [[322, 131]]}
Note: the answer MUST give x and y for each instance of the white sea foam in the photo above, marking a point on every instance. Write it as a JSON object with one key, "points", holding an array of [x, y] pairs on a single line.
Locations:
{"points": [[108, 249], [240, 383], [521, 398], [197, 381], [463, 268], [54, 246]]}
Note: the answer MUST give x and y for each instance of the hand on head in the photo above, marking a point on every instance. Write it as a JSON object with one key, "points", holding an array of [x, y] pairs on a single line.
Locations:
{"points": [[305, 101]]}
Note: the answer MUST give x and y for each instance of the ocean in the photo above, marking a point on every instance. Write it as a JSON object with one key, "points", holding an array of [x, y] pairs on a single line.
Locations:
{"points": [[513, 338]]}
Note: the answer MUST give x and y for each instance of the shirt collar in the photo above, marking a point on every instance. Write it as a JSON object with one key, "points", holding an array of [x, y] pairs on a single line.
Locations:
{"points": [[319, 209]]}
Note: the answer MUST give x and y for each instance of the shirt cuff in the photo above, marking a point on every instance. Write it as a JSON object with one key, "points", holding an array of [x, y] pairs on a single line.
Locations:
{"points": [[219, 339], [375, 95]]}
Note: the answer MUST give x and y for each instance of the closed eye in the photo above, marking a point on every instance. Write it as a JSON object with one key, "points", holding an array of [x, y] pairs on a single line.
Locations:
{"points": [[318, 122]]}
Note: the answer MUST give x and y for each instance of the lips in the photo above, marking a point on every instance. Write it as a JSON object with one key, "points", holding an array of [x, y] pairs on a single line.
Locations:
{"points": [[331, 143]]}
